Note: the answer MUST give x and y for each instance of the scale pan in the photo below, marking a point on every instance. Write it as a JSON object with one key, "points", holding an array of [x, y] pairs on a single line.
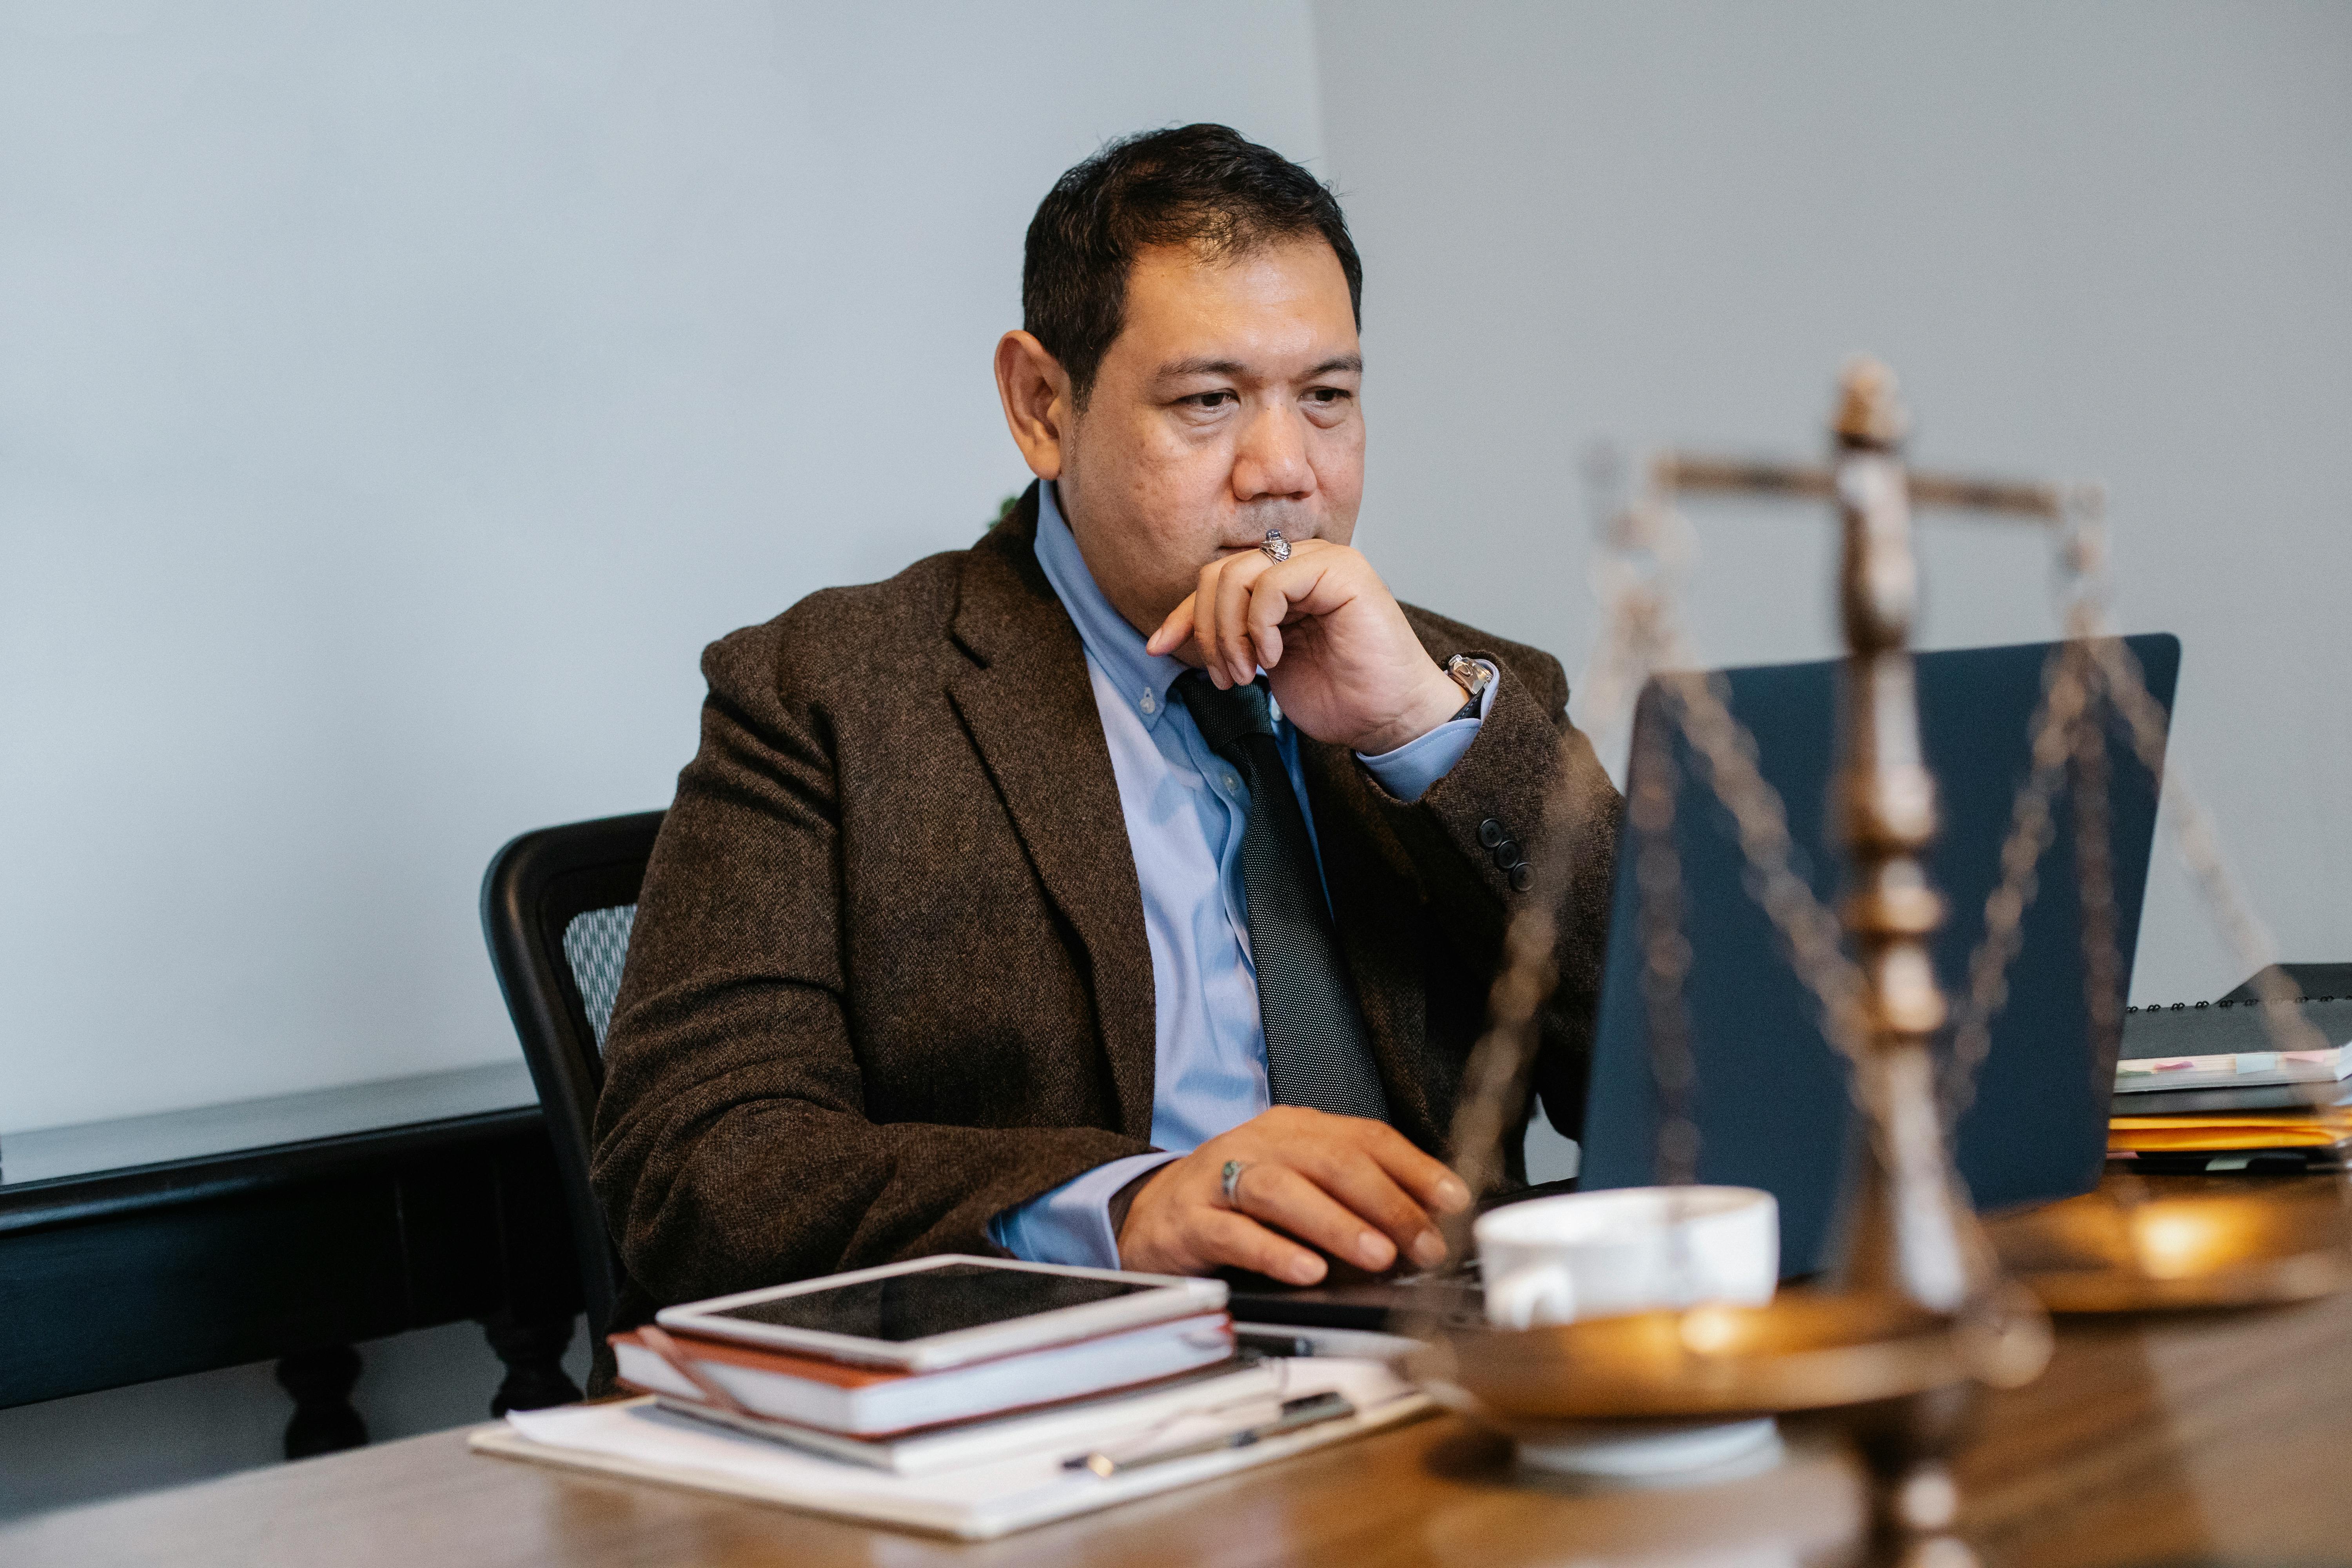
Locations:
{"points": [[2115, 1251], [1805, 1350]]}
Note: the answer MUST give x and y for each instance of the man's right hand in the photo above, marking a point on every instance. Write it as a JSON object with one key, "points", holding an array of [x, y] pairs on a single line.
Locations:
{"points": [[1344, 1186]]}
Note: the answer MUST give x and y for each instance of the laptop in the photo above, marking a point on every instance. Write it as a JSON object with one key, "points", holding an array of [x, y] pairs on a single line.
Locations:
{"points": [[1770, 1099]]}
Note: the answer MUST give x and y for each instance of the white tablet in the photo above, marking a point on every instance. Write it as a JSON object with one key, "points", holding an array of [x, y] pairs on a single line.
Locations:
{"points": [[944, 1311]]}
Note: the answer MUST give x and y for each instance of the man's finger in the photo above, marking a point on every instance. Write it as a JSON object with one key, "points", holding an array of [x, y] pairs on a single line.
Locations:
{"points": [[1235, 577], [1237, 586], [1216, 617], [1174, 632], [1222, 1236], [1205, 607], [1281, 1197], [1277, 596], [1350, 1177], [1431, 1185], [1269, 603]]}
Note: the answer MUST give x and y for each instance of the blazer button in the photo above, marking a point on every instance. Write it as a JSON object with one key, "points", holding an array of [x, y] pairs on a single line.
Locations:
{"points": [[1491, 833], [1523, 877], [1507, 855]]}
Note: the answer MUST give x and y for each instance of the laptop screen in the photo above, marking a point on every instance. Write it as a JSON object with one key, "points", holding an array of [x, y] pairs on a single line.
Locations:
{"points": [[1770, 1097]]}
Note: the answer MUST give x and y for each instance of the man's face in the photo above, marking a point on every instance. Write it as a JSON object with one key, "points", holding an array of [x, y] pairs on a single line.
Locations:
{"points": [[1227, 406]]}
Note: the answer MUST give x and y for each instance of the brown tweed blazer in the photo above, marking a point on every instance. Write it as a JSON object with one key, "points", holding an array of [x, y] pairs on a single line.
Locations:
{"points": [[888, 975]]}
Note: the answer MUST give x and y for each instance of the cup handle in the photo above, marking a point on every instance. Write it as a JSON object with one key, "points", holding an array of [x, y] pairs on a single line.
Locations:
{"points": [[1515, 1301]]}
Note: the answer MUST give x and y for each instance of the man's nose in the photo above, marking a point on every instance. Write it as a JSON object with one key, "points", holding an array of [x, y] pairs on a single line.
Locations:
{"points": [[1271, 462]]}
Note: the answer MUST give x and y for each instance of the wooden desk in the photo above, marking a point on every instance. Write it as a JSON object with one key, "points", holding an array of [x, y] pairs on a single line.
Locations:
{"points": [[288, 1227], [2208, 1436]]}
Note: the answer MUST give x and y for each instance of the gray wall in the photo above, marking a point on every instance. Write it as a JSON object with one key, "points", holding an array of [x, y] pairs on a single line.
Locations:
{"points": [[394, 401], [2104, 240], [389, 410]]}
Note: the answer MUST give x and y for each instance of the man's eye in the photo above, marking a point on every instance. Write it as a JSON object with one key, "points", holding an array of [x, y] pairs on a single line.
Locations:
{"points": [[1211, 399], [1327, 395]]}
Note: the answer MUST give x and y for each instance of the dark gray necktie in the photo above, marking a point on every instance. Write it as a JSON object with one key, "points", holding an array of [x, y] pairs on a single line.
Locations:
{"points": [[1315, 1053]]}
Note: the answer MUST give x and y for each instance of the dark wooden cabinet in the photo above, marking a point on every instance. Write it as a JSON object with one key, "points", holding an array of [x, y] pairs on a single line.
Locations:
{"points": [[287, 1228]]}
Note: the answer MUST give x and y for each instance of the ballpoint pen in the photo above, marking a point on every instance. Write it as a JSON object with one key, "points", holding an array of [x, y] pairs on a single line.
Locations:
{"points": [[1311, 1410]]}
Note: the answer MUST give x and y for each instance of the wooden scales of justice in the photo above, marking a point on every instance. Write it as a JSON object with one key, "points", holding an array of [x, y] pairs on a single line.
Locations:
{"points": [[1926, 1305]]}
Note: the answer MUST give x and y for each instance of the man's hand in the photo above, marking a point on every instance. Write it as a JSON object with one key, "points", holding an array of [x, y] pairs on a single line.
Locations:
{"points": [[1351, 1187], [1335, 649]]}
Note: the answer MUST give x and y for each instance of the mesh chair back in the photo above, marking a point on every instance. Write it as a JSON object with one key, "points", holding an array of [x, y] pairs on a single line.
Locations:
{"points": [[557, 908], [596, 944]]}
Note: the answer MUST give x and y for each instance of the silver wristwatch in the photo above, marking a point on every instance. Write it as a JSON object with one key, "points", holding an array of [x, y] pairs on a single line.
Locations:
{"points": [[1472, 677]]}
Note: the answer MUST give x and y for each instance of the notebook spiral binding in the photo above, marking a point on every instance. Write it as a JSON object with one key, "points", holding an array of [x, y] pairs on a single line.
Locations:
{"points": [[2246, 1001]]}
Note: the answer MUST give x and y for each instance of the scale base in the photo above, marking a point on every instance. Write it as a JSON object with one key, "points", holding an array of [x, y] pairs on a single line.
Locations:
{"points": [[2142, 1244], [1804, 1351]]}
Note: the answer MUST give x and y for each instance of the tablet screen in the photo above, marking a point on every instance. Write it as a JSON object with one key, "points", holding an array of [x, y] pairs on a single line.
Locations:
{"points": [[927, 1301]]}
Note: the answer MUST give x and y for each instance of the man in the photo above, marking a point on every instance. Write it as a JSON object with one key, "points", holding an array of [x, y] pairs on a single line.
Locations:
{"points": [[1008, 907]]}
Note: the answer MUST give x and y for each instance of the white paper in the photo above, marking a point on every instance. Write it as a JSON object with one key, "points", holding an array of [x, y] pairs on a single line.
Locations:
{"points": [[976, 1502]]}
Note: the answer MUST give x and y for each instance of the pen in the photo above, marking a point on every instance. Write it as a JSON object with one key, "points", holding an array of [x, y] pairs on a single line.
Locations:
{"points": [[1267, 1343], [1311, 1410]]}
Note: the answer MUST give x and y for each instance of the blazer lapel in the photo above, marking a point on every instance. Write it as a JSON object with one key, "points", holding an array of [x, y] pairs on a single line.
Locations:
{"points": [[1029, 708]]}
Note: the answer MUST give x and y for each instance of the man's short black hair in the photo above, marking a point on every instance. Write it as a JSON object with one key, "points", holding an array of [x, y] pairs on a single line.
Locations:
{"points": [[1201, 186]]}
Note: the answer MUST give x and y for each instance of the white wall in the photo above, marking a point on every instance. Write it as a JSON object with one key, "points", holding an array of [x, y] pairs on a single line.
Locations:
{"points": [[391, 409], [391, 406], [2095, 239], [393, 403]]}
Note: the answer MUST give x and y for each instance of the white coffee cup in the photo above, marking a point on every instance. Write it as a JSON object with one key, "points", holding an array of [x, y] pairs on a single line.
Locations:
{"points": [[1631, 1250]]}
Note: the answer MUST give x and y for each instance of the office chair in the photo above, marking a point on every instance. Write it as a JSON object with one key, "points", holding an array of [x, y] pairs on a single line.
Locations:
{"points": [[557, 906]]}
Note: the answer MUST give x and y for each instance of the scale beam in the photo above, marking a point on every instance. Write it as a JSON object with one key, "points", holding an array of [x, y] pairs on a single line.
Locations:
{"points": [[1689, 474]]}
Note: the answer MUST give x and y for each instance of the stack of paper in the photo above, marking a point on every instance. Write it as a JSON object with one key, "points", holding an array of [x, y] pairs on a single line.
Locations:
{"points": [[792, 1390], [1012, 1487], [2205, 1088]]}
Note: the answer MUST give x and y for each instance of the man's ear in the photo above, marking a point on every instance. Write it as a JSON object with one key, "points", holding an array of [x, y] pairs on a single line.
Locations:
{"points": [[1036, 394]]}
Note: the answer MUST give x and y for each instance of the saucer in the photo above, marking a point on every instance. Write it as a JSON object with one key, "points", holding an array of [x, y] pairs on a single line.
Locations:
{"points": [[1627, 1453], [1649, 1453]]}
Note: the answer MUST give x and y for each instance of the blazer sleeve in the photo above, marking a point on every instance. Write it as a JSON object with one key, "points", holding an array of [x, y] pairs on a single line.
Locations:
{"points": [[733, 1148], [1525, 748]]}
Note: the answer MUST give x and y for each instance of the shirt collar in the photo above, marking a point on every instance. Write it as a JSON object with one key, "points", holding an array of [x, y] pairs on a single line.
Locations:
{"points": [[1115, 647]]}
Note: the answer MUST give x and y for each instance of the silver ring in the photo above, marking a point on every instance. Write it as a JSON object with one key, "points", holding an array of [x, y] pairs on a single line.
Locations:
{"points": [[1277, 548], [1231, 1181]]}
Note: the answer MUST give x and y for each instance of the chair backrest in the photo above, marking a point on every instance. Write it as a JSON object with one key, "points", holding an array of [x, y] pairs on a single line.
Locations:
{"points": [[557, 906]]}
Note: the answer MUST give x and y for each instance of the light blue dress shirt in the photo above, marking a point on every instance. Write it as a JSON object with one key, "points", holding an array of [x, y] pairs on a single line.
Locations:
{"points": [[1185, 811]]}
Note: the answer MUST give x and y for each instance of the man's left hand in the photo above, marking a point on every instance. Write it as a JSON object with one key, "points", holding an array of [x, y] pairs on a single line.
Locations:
{"points": [[1336, 648]]}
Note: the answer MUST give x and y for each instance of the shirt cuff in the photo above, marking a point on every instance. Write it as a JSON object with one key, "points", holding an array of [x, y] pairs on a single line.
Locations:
{"points": [[1409, 771], [1071, 1225]]}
